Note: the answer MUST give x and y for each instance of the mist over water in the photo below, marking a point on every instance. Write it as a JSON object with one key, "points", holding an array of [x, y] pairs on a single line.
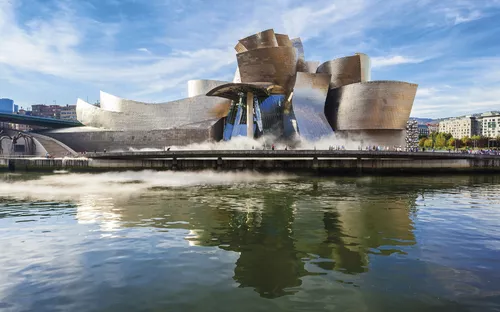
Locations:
{"points": [[67, 186], [265, 142]]}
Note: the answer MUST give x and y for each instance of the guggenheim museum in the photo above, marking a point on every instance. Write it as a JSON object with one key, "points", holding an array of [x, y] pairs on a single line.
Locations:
{"points": [[275, 91]]}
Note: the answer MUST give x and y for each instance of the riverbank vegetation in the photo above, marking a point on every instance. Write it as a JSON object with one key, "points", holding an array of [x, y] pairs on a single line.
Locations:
{"points": [[447, 141]]}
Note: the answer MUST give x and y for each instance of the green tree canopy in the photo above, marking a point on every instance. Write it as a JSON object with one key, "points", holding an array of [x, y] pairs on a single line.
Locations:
{"points": [[421, 142], [428, 143], [466, 141], [452, 142], [440, 140]]}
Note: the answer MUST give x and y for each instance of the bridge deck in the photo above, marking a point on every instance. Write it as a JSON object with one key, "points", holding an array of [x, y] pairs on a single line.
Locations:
{"points": [[38, 121], [282, 154]]}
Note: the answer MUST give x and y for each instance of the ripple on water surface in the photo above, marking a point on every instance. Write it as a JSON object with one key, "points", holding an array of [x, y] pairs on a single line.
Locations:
{"points": [[249, 242]]}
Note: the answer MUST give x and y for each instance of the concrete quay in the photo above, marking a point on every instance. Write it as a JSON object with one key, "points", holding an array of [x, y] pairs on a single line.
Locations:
{"points": [[327, 162], [179, 154]]}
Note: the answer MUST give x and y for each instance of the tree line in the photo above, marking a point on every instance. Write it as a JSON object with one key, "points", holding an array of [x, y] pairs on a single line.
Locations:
{"points": [[447, 141]]}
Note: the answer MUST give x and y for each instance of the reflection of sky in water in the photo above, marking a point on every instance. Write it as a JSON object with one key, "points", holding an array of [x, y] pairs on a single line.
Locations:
{"points": [[358, 243]]}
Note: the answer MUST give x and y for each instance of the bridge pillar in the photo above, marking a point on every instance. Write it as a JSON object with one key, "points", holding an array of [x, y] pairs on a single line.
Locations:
{"points": [[359, 166], [315, 163], [174, 163], [12, 165], [219, 163]]}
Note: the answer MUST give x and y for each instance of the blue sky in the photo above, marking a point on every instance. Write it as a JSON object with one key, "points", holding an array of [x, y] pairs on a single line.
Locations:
{"points": [[148, 50]]}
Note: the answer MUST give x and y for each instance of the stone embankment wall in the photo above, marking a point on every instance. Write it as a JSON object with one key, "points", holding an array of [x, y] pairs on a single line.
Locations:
{"points": [[344, 165]]}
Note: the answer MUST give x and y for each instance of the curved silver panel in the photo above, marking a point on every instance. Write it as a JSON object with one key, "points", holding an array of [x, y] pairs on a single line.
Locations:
{"points": [[141, 116], [232, 91], [276, 65], [366, 67], [299, 55], [240, 48], [202, 86], [309, 95], [283, 40], [365, 138], [237, 77], [93, 116], [311, 66], [347, 70], [264, 39], [371, 105]]}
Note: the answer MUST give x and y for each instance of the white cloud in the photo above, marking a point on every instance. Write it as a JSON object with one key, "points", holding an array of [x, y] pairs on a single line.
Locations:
{"points": [[144, 50], [426, 92], [472, 16], [383, 61], [71, 45], [52, 46]]}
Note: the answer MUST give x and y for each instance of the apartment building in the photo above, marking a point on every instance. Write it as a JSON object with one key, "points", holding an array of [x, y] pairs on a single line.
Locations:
{"points": [[460, 127], [48, 111], [423, 130], [68, 112], [490, 124]]}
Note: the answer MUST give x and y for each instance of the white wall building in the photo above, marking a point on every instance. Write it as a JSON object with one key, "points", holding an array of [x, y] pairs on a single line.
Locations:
{"points": [[460, 127], [68, 112], [490, 124]]}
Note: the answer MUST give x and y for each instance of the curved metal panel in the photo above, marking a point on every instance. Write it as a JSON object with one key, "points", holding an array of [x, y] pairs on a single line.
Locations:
{"points": [[240, 48], [309, 96], [311, 66], [375, 137], [232, 90], [365, 67], [283, 40], [299, 47], [202, 86], [110, 102], [276, 65], [264, 39], [140, 116], [299, 55], [237, 77], [371, 105], [344, 70], [93, 116]]}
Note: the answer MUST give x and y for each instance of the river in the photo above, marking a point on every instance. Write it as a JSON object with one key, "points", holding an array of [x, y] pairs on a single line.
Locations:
{"points": [[184, 241]]}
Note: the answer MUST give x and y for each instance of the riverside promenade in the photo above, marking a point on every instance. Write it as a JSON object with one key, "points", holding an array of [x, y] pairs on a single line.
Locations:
{"points": [[314, 161]]}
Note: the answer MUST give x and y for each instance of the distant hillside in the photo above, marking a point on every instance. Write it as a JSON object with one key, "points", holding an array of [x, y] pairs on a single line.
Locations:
{"points": [[423, 121]]}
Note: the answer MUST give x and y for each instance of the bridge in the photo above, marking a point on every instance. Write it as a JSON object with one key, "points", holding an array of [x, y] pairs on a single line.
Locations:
{"points": [[278, 154], [39, 121]]}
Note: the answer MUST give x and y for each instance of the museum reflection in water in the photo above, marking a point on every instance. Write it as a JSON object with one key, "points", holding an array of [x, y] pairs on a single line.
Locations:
{"points": [[282, 233]]}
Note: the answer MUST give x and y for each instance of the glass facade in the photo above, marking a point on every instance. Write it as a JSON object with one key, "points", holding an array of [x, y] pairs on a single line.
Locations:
{"points": [[6, 106], [267, 116]]}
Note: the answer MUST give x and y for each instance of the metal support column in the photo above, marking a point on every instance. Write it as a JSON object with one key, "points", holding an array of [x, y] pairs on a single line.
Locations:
{"points": [[250, 115]]}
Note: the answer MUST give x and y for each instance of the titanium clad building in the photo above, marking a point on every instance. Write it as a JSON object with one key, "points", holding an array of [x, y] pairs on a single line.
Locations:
{"points": [[275, 91]]}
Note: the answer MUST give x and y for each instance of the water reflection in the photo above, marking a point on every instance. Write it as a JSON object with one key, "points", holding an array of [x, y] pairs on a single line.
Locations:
{"points": [[276, 232], [281, 235]]}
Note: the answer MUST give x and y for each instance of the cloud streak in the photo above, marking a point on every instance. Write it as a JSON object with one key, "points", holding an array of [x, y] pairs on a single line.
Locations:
{"points": [[149, 50]]}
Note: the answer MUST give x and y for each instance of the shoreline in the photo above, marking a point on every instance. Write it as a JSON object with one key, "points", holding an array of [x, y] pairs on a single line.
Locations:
{"points": [[306, 162]]}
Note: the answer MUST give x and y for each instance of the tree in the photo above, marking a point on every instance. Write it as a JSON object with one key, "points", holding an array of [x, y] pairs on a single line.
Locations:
{"points": [[428, 143], [452, 142], [466, 141], [483, 141], [440, 140], [422, 141]]}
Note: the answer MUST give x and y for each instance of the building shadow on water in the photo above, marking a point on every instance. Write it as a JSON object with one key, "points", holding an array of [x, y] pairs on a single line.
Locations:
{"points": [[287, 232]]}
